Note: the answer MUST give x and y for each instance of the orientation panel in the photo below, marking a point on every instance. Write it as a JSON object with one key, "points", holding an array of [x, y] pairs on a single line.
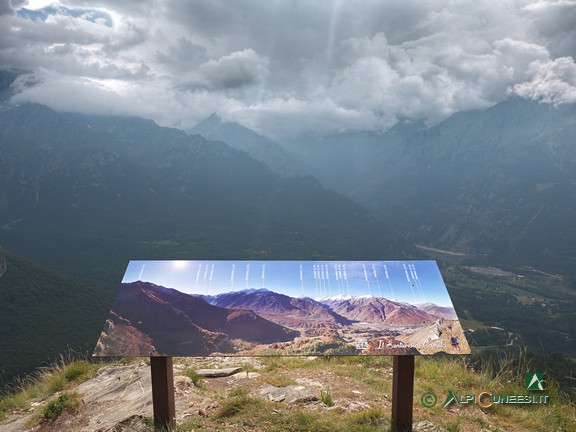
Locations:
{"points": [[281, 308]]}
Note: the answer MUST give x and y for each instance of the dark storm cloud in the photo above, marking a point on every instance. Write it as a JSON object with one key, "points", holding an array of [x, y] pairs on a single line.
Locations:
{"points": [[239, 69], [7, 7], [284, 67], [183, 55], [556, 25]]}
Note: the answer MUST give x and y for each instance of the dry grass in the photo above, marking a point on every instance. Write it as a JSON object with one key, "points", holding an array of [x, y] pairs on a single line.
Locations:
{"points": [[239, 408], [63, 374]]}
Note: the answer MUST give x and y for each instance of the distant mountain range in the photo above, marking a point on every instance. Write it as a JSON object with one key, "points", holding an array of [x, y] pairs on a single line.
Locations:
{"points": [[109, 189], [257, 146], [497, 184]]}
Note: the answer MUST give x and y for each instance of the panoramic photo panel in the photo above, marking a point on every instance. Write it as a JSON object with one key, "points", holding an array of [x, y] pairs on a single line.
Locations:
{"points": [[281, 308]]}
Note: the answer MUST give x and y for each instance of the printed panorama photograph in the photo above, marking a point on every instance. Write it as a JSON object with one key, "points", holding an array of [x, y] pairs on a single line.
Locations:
{"points": [[281, 308]]}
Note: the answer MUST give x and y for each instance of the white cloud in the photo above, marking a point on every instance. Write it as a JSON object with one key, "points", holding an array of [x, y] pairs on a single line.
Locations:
{"points": [[552, 81], [116, 97], [286, 67], [287, 117]]}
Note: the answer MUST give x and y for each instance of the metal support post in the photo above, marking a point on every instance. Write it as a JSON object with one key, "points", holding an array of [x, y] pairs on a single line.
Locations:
{"points": [[402, 393], [163, 393]]}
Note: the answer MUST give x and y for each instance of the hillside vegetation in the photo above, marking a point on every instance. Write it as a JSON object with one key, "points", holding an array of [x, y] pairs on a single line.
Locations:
{"points": [[45, 313], [510, 312]]}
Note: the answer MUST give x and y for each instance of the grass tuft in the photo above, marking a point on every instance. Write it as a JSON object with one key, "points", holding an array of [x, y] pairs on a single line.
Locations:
{"points": [[239, 402], [326, 398], [373, 417], [62, 374], [195, 377], [279, 380]]}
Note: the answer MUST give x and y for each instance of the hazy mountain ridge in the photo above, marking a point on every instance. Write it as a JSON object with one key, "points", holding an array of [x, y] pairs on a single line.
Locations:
{"points": [[499, 182], [137, 190], [7, 78], [493, 182], [257, 146], [351, 162]]}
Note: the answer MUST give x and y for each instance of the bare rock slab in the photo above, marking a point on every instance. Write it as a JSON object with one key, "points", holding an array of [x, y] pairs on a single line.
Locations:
{"points": [[290, 394], [117, 396], [425, 426], [217, 373], [246, 375]]}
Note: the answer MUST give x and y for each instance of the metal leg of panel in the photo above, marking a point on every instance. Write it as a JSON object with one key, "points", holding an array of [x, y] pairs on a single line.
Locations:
{"points": [[163, 393], [402, 393]]}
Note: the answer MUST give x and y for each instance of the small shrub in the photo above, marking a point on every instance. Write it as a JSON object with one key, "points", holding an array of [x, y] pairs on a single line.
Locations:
{"points": [[57, 406]]}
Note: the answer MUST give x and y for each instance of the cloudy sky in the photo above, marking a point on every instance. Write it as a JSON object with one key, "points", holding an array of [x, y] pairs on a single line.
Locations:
{"points": [[285, 67]]}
